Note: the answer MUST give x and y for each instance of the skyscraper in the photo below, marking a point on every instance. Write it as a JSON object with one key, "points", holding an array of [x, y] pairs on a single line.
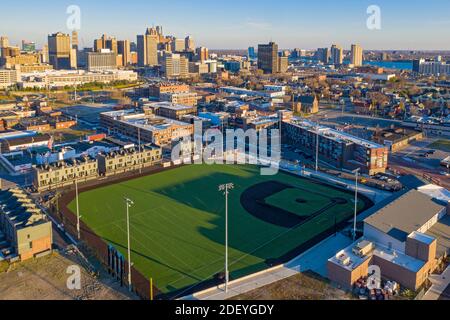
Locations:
{"points": [[251, 53], [75, 43], [337, 55], [189, 43], [323, 55], [59, 50], [147, 48], [111, 44], [202, 54], [356, 55], [28, 46], [175, 66], [4, 42], [268, 57], [178, 45], [123, 48]]}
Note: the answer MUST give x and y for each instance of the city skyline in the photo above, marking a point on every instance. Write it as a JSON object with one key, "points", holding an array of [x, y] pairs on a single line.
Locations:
{"points": [[404, 24]]}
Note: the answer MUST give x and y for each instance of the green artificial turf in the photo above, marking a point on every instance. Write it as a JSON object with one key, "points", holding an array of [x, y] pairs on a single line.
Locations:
{"points": [[177, 222]]}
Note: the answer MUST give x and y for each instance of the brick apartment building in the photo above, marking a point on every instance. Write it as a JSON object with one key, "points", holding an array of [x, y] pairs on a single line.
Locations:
{"points": [[336, 148]]}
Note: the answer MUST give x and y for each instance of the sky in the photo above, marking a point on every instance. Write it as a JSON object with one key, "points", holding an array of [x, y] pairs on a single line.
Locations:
{"points": [[238, 24]]}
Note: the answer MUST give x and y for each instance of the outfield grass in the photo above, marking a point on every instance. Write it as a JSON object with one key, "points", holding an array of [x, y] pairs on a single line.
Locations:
{"points": [[177, 222]]}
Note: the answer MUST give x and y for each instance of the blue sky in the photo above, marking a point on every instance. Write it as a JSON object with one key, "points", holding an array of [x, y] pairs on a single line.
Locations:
{"points": [[405, 24]]}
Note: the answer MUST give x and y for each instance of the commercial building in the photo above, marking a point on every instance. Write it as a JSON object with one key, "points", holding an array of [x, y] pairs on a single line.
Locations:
{"points": [[8, 78], [431, 67], [59, 50], [175, 66], [183, 98], [251, 93], [130, 159], [337, 55], [398, 138], [101, 61], [60, 78], [178, 45], [323, 55], [268, 57], [156, 89], [23, 226], [336, 148], [148, 128], [189, 43], [123, 49], [283, 64], [147, 48], [202, 54], [170, 110], [356, 55], [398, 239]]}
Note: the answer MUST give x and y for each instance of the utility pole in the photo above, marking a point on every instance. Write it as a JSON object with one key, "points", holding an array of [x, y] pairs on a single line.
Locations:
{"points": [[356, 201], [129, 203], [226, 188]]}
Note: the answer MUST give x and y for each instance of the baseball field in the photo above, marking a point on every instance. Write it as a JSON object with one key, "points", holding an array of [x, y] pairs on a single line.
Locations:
{"points": [[178, 220]]}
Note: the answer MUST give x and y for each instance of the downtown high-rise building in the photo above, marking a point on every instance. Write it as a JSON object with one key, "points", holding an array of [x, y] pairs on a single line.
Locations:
{"points": [[323, 55], [189, 44], [337, 55], [124, 49], [356, 58], [268, 57], [28, 46], [202, 54], [4, 42], [75, 41], [147, 48], [175, 66], [59, 50], [178, 45], [251, 53]]}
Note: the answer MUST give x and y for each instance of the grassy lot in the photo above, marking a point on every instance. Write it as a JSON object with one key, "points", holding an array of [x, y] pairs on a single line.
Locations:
{"points": [[177, 222], [304, 286]]}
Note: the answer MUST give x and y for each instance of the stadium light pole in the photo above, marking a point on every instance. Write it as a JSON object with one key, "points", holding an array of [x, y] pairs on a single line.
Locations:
{"points": [[129, 203], [317, 149], [226, 188], [78, 210], [356, 201]]}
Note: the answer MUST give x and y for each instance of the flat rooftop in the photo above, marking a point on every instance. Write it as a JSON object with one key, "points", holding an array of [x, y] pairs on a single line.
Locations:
{"points": [[143, 121], [350, 261], [170, 106], [405, 214], [333, 134]]}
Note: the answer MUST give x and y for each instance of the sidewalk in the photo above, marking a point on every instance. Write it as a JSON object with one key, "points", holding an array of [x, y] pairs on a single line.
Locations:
{"points": [[314, 259], [440, 283]]}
